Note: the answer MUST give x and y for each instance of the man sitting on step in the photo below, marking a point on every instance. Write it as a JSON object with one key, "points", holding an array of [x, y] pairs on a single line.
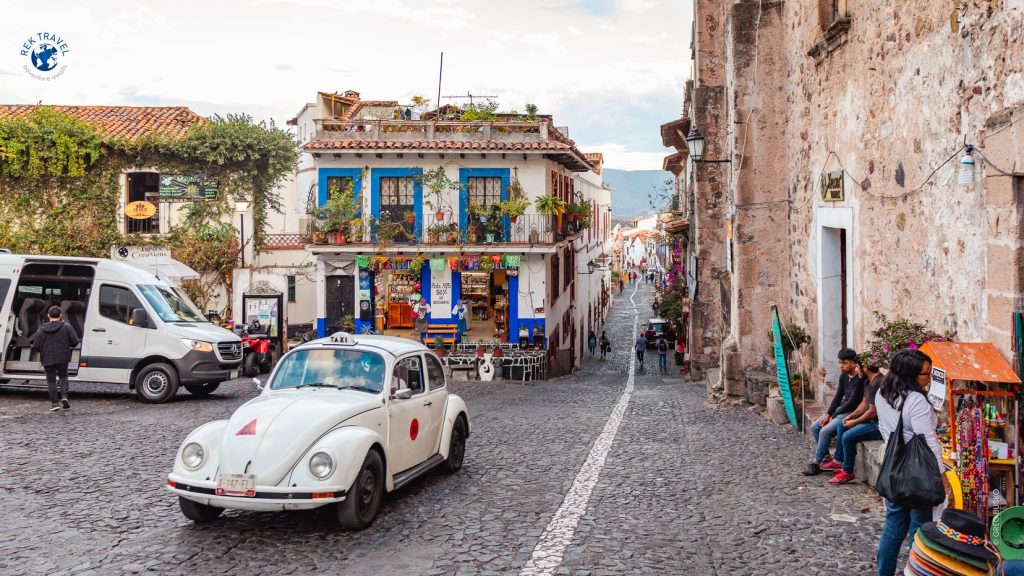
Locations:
{"points": [[860, 426], [848, 396]]}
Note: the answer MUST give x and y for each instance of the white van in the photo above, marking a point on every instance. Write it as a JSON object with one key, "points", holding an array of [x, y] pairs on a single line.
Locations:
{"points": [[135, 328]]}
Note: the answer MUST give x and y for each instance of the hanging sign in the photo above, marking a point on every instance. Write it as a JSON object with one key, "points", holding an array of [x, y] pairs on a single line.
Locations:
{"points": [[140, 210], [832, 186], [781, 369], [438, 264], [441, 293], [178, 188], [120, 252], [937, 390]]}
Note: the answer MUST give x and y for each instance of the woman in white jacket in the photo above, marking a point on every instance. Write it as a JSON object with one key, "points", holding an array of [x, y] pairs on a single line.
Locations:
{"points": [[903, 391]]}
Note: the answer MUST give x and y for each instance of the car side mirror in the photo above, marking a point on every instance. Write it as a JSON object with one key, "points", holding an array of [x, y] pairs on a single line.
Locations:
{"points": [[140, 318], [258, 383], [403, 394]]}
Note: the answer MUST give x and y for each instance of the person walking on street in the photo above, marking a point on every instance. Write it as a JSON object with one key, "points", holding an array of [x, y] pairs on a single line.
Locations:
{"points": [[641, 347], [662, 346], [592, 343], [605, 344], [903, 392], [54, 341]]}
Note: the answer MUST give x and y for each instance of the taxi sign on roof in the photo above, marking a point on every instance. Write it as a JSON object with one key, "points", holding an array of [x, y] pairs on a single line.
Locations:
{"points": [[343, 338]]}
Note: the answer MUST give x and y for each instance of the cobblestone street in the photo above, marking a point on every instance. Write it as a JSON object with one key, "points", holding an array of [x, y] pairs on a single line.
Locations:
{"points": [[686, 488]]}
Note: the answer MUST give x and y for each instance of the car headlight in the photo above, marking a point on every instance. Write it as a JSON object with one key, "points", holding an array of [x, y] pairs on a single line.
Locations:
{"points": [[321, 465], [197, 345], [193, 456]]}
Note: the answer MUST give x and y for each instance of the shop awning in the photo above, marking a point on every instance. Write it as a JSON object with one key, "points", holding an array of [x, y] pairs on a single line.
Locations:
{"points": [[977, 361]]}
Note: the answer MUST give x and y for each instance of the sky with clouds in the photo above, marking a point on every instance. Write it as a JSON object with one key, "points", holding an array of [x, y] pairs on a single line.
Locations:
{"points": [[610, 70]]}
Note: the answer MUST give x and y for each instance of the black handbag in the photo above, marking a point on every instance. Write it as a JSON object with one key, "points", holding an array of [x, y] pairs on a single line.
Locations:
{"points": [[909, 475]]}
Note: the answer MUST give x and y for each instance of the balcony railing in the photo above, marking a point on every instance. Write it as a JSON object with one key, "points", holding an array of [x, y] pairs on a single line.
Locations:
{"points": [[286, 241], [529, 229], [440, 130]]}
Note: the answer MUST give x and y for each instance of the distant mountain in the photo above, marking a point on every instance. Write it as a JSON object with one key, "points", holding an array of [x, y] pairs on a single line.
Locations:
{"points": [[632, 190]]}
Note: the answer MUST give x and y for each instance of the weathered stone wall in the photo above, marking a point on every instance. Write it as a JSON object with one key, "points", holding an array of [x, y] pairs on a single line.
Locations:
{"points": [[898, 96], [757, 190]]}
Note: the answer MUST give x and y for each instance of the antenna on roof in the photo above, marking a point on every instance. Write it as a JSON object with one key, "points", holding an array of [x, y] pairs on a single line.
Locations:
{"points": [[471, 96], [440, 71]]}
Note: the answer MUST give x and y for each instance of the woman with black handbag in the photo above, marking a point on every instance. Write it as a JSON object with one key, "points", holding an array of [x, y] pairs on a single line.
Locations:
{"points": [[911, 482]]}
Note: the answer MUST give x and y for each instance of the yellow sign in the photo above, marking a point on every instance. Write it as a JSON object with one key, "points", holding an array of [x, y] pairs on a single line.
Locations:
{"points": [[140, 210]]}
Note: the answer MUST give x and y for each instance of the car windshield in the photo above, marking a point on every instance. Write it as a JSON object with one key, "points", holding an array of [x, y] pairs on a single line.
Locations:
{"points": [[334, 368], [170, 305]]}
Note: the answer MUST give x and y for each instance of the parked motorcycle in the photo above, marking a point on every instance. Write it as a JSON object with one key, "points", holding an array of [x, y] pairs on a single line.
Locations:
{"points": [[256, 355]]}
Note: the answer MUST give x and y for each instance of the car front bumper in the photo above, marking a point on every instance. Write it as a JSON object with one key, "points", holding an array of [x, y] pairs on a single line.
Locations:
{"points": [[267, 498]]}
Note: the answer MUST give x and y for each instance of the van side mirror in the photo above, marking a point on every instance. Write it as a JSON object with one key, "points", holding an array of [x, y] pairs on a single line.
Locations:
{"points": [[140, 318]]}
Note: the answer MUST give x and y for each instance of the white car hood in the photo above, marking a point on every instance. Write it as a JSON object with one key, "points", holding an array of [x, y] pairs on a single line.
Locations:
{"points": [[201, 331], [267, 434]]}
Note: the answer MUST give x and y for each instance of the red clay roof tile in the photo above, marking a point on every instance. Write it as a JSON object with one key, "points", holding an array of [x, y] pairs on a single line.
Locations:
{"points": [[120, 122]]}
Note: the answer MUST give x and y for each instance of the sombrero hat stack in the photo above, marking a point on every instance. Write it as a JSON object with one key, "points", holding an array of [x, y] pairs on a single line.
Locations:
{"points": [[953, 546]]}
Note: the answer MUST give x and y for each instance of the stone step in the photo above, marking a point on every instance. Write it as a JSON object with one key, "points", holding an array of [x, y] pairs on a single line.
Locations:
{"points": [[869, 461]]}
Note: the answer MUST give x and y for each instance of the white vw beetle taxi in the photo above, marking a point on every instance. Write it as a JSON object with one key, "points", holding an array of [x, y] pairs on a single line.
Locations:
{"points": [[342, 420]]}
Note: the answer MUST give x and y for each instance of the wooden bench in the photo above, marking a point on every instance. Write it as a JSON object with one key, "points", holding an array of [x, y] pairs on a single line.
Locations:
{"points": [[448, 332]]}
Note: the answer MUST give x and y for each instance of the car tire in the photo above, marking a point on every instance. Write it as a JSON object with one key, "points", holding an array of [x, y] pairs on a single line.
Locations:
{"points": [[202, 390], [197, 512], [249, 365], [156, 383], [456, 447], [362, 501]]}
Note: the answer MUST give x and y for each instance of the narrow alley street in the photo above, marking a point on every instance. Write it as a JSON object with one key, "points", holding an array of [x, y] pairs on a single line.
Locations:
{"points": [[686, 488]]}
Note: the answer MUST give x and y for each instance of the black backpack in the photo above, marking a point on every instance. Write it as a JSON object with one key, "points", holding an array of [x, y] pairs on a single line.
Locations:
{"points": [[662, 346]]}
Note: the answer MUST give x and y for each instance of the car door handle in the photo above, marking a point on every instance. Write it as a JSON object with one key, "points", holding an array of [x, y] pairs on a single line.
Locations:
{"points": [[427, 403], [99, 329]]}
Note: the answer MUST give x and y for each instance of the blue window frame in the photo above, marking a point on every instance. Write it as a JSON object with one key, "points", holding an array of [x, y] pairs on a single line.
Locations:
{"points": [[356, 174], [417, 191], [465, 174]]}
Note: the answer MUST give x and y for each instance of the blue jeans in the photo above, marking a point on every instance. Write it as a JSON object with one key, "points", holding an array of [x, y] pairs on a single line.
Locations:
{"points": [[847, 440], [662, 360], [823, 435], [899, 521]]}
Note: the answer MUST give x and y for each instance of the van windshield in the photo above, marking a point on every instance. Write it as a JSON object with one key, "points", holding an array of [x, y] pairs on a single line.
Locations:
{"points": [[169, 305]]}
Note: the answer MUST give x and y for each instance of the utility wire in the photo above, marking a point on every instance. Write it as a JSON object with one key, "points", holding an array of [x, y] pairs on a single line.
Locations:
{"points": [[996, 168]]}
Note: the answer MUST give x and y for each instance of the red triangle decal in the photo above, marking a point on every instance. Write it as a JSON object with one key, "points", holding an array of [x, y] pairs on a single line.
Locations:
{"points": [[248, 430]]}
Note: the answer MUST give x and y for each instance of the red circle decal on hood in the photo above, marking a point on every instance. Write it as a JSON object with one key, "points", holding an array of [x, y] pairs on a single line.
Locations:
{"points": [[414, 429]]}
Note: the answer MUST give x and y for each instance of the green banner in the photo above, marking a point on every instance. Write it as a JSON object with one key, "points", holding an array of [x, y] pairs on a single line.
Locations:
{"points": [[178, 188], [781, 369], [363, 261]]}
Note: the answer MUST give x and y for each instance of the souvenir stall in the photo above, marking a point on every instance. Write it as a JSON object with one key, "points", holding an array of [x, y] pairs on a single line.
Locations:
{"points": [[975, 391], [395, 286]]}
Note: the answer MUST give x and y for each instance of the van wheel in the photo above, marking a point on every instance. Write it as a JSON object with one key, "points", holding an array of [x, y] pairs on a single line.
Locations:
{"points": [[201, 390], [249, 365], [156, 383]]}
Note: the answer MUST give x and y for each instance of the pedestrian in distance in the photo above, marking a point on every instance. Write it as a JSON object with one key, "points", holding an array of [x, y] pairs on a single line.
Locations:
{"points": [[903, 392], [606, 345], [54, 341], [847, 398], [592, 343], [641, 347], [662, 346]]}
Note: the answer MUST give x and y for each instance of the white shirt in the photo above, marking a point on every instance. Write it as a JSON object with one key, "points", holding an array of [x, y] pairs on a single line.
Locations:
{"points": [[918, 418]]}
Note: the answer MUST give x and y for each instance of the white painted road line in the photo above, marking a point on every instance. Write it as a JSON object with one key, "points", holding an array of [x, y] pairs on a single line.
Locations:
{"points": [[550, 549]]}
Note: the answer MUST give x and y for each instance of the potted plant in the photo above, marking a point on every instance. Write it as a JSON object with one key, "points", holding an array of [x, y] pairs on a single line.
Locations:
{"points": [[453, 233], [492, 230], [480, 348], [439, 345], [550, 205], [337, 212], [438, 183], [436, 231], [514, 208], [355, 230], [347, 323], [416, 265]]}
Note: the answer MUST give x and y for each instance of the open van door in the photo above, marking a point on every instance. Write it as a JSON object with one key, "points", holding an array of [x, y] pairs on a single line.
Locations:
{"points": [[112, 345]]}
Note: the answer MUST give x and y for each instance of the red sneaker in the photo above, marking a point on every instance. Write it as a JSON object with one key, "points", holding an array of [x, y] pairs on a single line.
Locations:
{"points": [[831, 464], [841, 477]]}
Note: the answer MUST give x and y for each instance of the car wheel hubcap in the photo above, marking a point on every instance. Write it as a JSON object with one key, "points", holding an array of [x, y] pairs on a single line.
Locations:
{"points": [[366, 490], [155, 384]]}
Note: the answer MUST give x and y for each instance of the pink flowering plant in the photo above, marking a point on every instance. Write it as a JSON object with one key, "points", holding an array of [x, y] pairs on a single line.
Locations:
{"points": [[895, 335]]}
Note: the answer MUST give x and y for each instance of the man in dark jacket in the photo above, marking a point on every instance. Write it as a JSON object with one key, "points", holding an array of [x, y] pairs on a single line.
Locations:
{"points": [[54, 341], [847, 398]]}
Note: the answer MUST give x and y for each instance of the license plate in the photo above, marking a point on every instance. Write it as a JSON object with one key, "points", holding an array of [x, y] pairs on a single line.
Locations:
{"points": [[236, 485], [234, 374]]}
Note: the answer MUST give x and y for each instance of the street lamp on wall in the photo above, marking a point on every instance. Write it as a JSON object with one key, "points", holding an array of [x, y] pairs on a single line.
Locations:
{"points": [[695, 147], [241, 206]]}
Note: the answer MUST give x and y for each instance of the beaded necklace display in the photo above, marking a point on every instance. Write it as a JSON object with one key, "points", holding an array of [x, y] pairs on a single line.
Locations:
{"points": [[972, 461]]}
